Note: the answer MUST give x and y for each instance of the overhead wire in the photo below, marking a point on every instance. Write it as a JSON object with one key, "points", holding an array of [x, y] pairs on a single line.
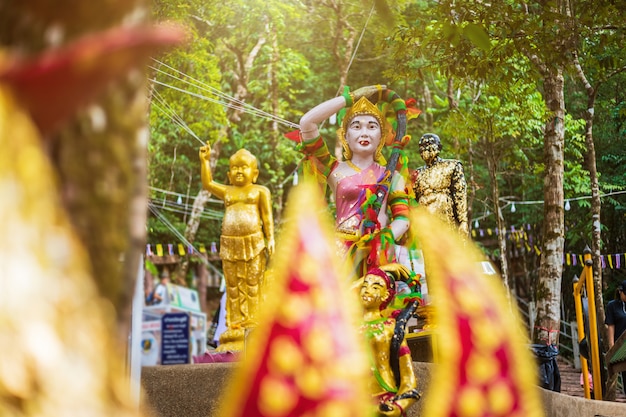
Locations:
{"points": [[240, 105], [186, 209], [584, 197], [228, 101], [223, 98], [510, 202], [203, 86], [182, 239], [165, 108], [174, 193]]}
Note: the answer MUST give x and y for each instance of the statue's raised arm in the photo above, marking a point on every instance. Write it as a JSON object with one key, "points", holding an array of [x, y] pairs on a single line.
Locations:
{"points": [[208, 184], [309, 123], [370, 196]]}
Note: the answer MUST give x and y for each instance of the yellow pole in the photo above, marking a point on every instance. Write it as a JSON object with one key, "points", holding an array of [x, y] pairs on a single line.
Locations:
{"points": [[578, 284], [593, 327]]}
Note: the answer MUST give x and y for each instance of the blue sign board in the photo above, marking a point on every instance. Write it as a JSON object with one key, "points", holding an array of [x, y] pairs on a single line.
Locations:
{"points": [[174, 338]]}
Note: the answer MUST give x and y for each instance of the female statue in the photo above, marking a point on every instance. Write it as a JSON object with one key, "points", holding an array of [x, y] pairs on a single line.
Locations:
{"points": [[363, 188]]}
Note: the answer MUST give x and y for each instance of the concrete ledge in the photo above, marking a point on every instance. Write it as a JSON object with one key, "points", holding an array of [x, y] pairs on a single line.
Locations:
{"points": [[195, 391], [560, 405]]}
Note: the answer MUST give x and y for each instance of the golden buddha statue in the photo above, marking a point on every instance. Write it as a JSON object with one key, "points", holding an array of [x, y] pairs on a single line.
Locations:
{"points": [[440, 185], [246, 241]]}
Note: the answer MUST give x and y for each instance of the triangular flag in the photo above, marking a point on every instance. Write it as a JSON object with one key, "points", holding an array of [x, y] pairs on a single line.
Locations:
{"points": [[412, 111], [305, 358], [485, 367], [294, 135]]}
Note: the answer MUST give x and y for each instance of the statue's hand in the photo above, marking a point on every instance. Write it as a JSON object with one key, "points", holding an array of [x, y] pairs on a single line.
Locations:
{"points": [[205, 152], [368, 91], [399, 271], [388, 408]]}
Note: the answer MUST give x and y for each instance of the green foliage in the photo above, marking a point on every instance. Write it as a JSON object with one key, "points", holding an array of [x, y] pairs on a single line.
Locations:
{"points": [[184, 114], [151, 267], [462, 61]]}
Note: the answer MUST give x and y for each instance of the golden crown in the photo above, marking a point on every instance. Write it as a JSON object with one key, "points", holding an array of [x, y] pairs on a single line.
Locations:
{"points": [[363, 106]]}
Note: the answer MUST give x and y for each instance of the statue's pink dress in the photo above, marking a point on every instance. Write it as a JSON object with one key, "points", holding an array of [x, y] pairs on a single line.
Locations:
{"points": [[349, 196], [349, 193]]}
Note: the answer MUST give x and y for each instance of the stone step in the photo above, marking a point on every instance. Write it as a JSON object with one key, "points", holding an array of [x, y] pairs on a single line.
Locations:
{"points": [[570, 381]]}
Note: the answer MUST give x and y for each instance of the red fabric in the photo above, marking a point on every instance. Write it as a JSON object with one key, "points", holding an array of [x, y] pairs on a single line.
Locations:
{"points": [[53, 85], [404, 350], [294, 135], [318, 297], [399, 210]]}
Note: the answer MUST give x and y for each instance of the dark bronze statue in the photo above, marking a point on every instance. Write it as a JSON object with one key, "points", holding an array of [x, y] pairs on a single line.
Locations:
{"points": [[440, 184]]}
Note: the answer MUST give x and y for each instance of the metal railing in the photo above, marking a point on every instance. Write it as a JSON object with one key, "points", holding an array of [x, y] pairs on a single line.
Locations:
{"points": [[569, 332]]}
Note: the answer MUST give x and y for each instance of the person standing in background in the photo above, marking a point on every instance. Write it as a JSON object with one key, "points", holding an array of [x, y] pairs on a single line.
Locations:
{"points": [[160, 292], [616, 319]]}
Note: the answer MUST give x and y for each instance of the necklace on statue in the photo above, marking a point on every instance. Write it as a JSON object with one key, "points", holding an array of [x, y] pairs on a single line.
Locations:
{"points": [[354, 167], [374, 327]]}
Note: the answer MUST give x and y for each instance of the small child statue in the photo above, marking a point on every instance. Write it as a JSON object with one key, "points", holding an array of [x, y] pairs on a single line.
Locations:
{"points": [[246, 241]]}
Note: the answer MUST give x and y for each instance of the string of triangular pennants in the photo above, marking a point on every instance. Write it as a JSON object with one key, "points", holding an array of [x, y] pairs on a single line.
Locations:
{"points": [[177, 249], [612, 261]]}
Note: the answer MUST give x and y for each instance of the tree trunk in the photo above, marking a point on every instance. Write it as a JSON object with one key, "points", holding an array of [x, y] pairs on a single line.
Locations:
{"points": [[596, 203], [491, 156], [453, 105], [191, 230], [278, 194], [548, 322], [424, 100], [471, 182], [495, 196], [596, 237]]}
